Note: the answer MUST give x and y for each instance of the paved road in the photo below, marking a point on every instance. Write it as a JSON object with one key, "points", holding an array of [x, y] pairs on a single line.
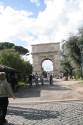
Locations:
{"points": [[60, 90], [53, 113], [38, 106]]}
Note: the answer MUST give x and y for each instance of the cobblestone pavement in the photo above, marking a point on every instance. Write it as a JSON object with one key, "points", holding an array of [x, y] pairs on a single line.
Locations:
{"points": [[53, 113], [49, 105]]}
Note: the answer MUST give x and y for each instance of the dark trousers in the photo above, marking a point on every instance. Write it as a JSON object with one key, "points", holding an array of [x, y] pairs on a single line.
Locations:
{"points": [[3, 108]]}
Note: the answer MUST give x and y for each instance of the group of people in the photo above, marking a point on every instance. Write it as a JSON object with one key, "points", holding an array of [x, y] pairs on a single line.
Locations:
{"points": [[35, 78]]}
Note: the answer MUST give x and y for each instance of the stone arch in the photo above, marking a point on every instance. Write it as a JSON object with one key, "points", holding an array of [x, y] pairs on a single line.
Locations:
{"points": [[42, 52]]}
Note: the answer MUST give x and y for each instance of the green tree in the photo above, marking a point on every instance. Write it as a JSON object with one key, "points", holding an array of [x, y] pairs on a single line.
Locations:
{"points": [[11, 58], [73, 54], [66, 68], [73, 49], [21, 50], [7, 45]]}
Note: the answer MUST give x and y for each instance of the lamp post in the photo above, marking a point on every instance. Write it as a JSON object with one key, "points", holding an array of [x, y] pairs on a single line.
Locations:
{"points": [[81, 50]]}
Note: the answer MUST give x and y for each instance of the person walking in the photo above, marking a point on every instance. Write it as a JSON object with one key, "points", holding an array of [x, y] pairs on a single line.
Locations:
{"points": [[41, 79], [51, 79], [30, 80], [36, 79], [5, 92]]}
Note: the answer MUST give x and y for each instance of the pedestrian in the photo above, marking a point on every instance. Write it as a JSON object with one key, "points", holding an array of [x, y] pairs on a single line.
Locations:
{"points": [[41, 79], [36, 79], [13, 80], [5, 92], [30, 80], [51, 79]]}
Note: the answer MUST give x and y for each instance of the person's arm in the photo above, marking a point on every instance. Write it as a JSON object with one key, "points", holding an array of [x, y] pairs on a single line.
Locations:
{"points": [[9, 90]]}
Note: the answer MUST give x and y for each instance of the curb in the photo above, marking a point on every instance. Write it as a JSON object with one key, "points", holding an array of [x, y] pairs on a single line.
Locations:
{"points": [[43, 102]]}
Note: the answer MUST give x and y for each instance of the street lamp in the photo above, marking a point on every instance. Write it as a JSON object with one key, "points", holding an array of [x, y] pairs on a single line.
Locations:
{"points": [[81, 50]]}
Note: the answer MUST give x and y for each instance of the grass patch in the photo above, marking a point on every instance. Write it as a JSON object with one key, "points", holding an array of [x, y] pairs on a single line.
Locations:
{"points": [[22, 84]]}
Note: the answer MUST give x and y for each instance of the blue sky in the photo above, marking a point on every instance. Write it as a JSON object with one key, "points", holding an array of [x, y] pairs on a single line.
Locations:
{"points": [[39, 21], [26, 5], [27, 22]]}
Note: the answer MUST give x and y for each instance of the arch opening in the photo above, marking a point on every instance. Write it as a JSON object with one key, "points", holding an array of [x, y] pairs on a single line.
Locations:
{"points": [[47, 65]]}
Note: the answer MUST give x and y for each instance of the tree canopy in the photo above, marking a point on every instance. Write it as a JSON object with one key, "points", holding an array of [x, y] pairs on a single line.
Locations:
{"points": [[11, 58], [7, 45], [73, 52]]}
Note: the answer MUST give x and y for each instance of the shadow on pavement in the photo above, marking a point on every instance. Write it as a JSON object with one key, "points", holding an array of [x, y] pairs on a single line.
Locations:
{"points": [[27, 93], [55, 87], [32, 114], [36, 91]]}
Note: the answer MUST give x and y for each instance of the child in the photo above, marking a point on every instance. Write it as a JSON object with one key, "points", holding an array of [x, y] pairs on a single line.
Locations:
{"points": [[5, 92]]}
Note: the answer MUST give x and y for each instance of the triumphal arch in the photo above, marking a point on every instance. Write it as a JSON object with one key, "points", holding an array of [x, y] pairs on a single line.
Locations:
{"points": [[41, 52]]}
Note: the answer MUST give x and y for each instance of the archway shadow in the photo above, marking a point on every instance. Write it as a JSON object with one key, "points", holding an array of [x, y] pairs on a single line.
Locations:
{"points": [[26, 92], [36, 91], [31, 113], [55, 87]]}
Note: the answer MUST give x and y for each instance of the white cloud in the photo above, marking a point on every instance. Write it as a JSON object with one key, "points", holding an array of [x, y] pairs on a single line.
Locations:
{"points": [[54, 24], [13, 23], [58, 20]]}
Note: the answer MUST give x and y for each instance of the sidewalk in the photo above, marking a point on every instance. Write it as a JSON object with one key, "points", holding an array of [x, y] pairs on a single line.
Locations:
{"points": [[54, 113], [59, 91], [49, 105]]}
